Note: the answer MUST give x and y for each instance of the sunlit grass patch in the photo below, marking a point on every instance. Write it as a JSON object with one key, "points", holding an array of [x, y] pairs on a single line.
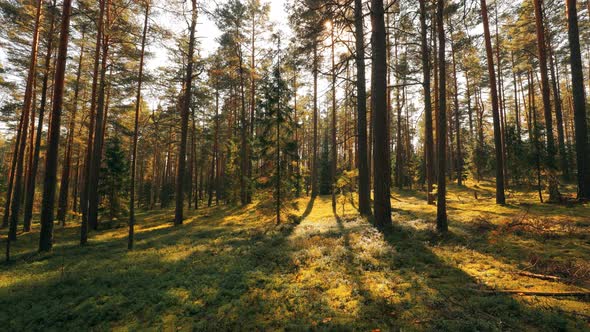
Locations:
{"points": [[229, 268]]}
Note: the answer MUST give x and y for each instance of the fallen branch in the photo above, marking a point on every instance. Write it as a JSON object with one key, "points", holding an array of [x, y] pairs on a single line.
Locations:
{"points": [[538, 276], [533, 293]]}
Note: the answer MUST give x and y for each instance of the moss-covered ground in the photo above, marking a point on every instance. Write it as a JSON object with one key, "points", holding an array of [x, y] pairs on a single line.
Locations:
{"points": [[232, 268]]}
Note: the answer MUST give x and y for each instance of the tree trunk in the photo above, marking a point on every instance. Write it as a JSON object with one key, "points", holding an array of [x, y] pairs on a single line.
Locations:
{"points": [[50, 181], [178, 215], [516, 106], [334, 164], [554, 195], [314, 166], [441, 130], [500, 198], [362, 153], [458, 155], [93, 197], [30, 192], [22, 143], [62, 205], [136, 129], [92, 117], [9, 190], [381, 160], [558, 112], [579, 101], [428, 130]]}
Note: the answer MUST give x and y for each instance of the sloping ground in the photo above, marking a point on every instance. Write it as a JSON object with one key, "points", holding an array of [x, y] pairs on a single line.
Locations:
{"points": [[233, 269]]}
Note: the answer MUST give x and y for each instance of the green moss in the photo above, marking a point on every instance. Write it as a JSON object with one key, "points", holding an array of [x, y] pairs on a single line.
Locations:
{"points": [[231, 268]]}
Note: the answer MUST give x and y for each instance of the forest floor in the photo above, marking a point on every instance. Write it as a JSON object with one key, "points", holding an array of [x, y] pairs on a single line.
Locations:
{"points": [[231, 268]]}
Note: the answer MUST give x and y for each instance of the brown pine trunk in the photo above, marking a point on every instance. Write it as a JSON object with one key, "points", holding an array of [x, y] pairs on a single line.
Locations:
{"points": [[579, 100], [554, 195], [62, 205], [92, 117], [22, 143], [136, 129], [500, 198], [362, 153], [245, 195], [178, 215], [428, 130], [334, 164], [50, 181], [9, 190], [458, 154], [93, 196], [381, 160], [31, 182], [314, 168], [535, 134], [441, 130], [558, 112], [297, 144], [501, 96], [213, 177], [516, 106]]}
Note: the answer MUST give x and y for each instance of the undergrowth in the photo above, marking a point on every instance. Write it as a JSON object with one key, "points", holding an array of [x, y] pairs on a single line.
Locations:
{"points": [[232, 268]]}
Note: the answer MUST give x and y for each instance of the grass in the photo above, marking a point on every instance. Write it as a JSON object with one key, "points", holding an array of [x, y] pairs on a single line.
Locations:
{"points": [[230, 268]]}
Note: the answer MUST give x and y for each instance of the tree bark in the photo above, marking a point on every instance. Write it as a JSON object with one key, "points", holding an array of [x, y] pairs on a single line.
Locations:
{"points": [[441, 130], [381, 159], [334, 164], [50, 181], [93, 197], [458, 155], [579, 100], [500, 198], [428, 130], [553, 71], [136, 129], [30, 192], [545, 92], [92, 116], [314, 168], [362, 153], [178, 215], [62, 205], [22, 143]]}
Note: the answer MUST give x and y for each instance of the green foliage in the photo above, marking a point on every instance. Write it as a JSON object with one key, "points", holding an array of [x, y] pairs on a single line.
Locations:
{"points": [[114, 179], [166, 194]]}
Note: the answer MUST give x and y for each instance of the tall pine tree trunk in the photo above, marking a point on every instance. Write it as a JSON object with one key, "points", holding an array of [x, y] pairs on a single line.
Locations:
{"points": [[92, 118], [500, 198], [579, 101], [554, 195], [441, 130], [362, 153], [428, 130], [136, 129], [458, 155], [178, 215], [31, 182], [50, 181], [62, 205], [381, 160], [314, 165], [18, 175], [95, 161], [334, 164]]}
